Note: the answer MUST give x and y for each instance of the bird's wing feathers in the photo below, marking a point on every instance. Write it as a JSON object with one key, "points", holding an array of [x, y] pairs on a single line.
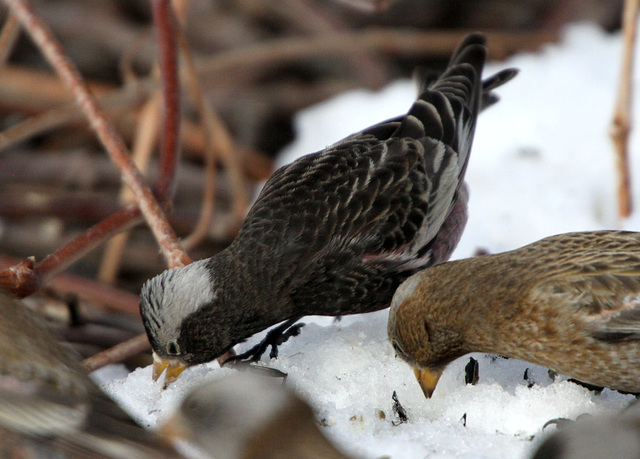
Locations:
{"points": [[625, 326], [601, 285], [488, 85], [386, 191], [608, 303], [379, 198]]}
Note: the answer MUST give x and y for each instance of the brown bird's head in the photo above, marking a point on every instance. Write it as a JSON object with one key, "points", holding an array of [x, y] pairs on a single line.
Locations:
{"points": [[421, 332]]}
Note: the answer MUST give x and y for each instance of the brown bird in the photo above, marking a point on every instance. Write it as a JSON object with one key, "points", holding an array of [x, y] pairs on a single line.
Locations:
{"points": [[595, 437], [569, 302], [48, 405], [250, 417]]}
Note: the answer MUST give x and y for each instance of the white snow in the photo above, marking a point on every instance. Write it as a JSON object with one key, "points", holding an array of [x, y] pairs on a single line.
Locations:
{"points": [[542, 164]]}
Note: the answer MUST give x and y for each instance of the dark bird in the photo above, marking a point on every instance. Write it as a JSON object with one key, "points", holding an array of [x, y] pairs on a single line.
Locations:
{"points": [[570, 302], [250, 417], [335, 232], [595, 437], [48, 405]]}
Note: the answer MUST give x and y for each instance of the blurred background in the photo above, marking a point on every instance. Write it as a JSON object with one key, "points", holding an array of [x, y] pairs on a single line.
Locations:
{"points": [[259, 63]]}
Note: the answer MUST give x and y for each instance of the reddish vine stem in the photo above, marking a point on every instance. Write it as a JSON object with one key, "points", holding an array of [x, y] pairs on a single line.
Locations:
{"points": [[164, 23], [51, 49], [27, 277], [170, 132], [113, 299], [117, 353]]}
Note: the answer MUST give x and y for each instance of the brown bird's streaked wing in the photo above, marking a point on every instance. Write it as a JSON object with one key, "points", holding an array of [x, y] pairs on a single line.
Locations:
{"points": [[601, 285]]}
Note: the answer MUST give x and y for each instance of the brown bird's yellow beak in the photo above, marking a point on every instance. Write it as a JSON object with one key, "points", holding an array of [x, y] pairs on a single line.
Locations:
{"points": [[428, 380], [173, 366]]}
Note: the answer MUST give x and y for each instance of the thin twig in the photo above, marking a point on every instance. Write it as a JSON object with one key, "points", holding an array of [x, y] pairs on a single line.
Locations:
{"points": [[109, 297], [148, 127], [28, 90], [51, 49], [268, 54], [8, 38], [168, 64], [201, 228], [23, 283], [370, 70], [621, 123], [206, 114], [216, 140], [115, 103], [92, 334], [219, 136], [181, 8], [118, 353]]}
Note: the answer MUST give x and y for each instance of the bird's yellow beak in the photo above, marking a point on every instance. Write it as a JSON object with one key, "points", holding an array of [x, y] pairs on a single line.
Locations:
{"points": [[173, 366], [428, 380]]}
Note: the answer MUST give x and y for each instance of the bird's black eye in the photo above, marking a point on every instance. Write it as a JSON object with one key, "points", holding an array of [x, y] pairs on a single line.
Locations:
{"points": [[173, 348]]}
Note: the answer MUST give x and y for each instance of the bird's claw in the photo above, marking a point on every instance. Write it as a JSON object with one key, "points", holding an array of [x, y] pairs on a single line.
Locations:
{"points": [[274, 338], [294, 330]]}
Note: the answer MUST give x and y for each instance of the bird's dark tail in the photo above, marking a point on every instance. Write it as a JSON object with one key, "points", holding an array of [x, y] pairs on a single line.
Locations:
{"points": [[467, 52], [449, 103], [448, 106], [491, 83]]}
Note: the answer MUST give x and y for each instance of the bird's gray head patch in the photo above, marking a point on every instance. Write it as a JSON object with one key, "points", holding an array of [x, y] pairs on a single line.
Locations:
{"points": [[405, 290], [173, 295]]}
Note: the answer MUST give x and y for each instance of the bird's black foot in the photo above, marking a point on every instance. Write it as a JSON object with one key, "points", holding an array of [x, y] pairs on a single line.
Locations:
{"points": [[274, 338]]}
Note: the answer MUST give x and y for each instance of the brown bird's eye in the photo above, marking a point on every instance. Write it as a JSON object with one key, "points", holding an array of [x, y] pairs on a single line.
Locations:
{"points": [[399, 351], [173, 348]]}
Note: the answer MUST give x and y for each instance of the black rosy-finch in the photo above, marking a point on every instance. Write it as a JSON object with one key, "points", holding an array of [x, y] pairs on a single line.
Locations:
{"points": [[336, 231], [48, 405], [250, 417], [570, 302]]}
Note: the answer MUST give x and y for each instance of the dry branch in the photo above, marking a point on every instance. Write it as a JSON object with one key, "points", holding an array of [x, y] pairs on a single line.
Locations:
{"points": [[149, 207], [621, 124]]}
